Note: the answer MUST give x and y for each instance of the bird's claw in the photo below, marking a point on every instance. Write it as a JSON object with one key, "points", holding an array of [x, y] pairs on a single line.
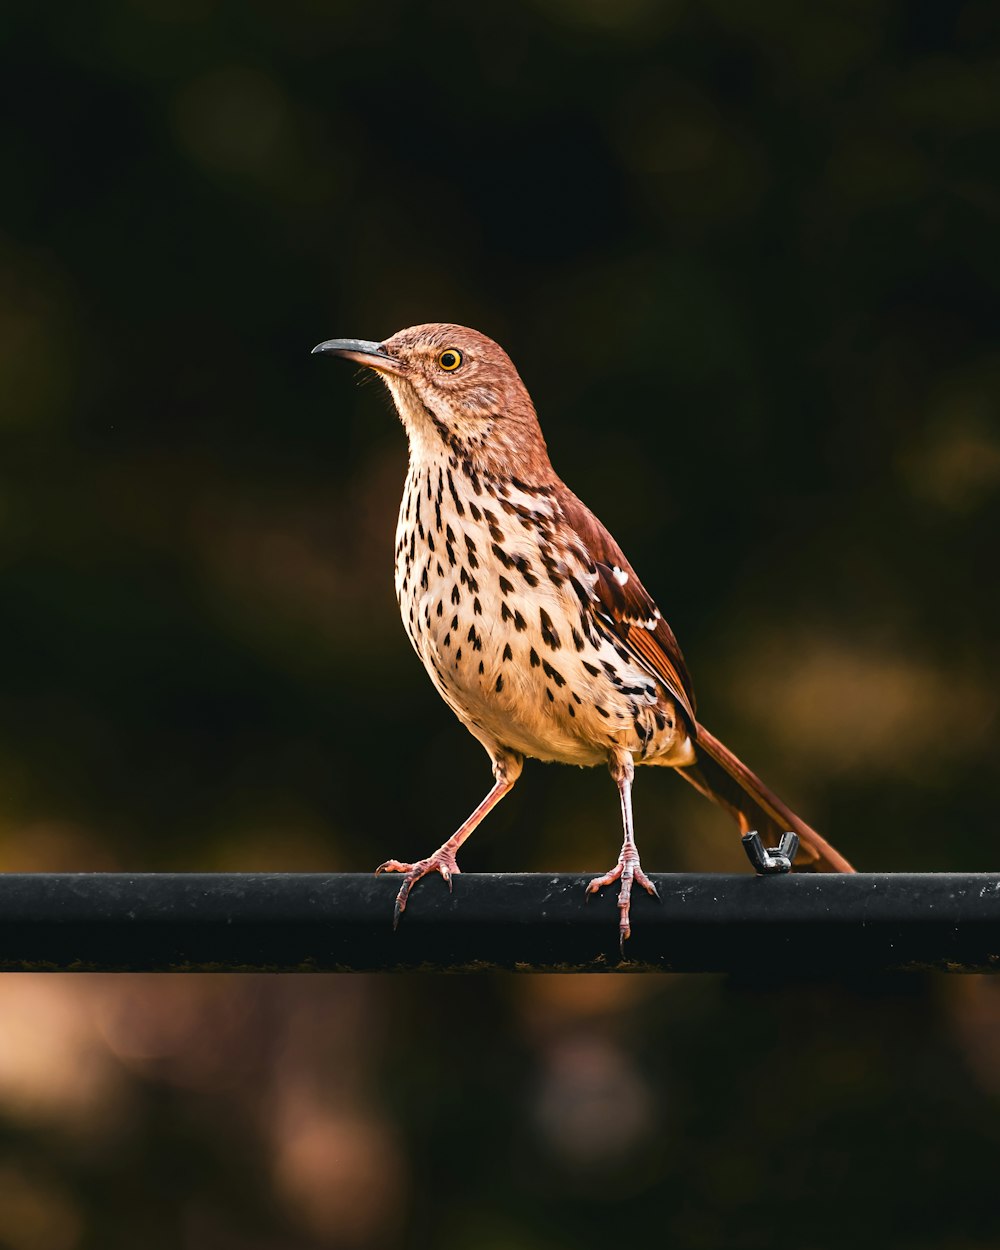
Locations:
{"points": [[627, 870], [441, 861]]}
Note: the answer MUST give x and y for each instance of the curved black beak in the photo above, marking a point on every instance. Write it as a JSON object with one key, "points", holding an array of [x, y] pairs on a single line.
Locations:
{"points": [[364, 351]]}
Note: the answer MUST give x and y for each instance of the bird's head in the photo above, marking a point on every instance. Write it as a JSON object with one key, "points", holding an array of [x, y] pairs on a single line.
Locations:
{"points": [[455, 387]]}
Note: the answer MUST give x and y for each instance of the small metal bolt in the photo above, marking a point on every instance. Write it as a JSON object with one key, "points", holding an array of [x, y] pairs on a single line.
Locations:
{"points": [[774, 859]]}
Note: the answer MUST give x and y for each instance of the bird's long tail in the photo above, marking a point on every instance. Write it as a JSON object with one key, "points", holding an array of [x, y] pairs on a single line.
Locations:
{"points": [[720, 776]]}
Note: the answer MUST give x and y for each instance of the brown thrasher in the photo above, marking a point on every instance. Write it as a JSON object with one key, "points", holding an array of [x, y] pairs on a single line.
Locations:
{"points": [[529, 619]]}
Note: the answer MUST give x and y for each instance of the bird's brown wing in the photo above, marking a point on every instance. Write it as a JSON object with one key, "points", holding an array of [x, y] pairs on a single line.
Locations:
{"points": [[622, 603]]}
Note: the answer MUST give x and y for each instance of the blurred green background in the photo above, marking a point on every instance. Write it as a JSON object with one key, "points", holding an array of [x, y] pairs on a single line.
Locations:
{"points": [[745, 258]]}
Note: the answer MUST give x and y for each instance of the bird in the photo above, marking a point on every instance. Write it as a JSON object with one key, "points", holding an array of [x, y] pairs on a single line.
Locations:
{"points": [[528, 617]]}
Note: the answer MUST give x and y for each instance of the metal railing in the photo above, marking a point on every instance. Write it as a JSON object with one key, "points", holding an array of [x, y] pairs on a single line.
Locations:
{"points": [[290, 922]]}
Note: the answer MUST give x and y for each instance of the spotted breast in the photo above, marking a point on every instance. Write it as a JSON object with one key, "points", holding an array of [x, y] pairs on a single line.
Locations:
{"points": [[500, 608]]}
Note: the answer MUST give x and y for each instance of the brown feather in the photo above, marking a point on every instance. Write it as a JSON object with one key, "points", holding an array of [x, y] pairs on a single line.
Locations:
{"points": [[724, 778], [623, 604], [627, 607]]}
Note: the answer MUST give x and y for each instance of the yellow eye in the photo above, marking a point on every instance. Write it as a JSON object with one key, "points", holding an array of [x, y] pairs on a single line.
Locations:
{"points": [[450, 359]]}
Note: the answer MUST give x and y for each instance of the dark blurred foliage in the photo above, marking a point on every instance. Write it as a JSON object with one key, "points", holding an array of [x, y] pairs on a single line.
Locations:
{"points": [[746, 259]]}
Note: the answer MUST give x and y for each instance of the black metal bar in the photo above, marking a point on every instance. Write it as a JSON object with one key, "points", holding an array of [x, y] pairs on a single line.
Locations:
{"points": [[291, 922]]}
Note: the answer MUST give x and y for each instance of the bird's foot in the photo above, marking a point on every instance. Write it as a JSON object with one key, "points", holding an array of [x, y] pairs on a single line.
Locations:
{"points": [[627, 870], [442, 861]]}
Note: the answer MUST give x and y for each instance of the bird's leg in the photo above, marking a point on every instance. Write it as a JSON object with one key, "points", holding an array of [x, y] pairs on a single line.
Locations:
{"points": [[628, 867], [506, 769]]}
